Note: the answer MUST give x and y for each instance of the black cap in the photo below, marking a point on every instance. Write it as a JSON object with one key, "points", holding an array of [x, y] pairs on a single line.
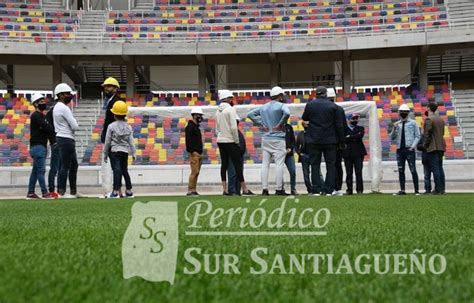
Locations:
{"points": [[321, 90]]}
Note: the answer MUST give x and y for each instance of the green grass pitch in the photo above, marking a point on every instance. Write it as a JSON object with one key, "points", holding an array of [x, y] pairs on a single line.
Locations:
{"points": [[70, 251]]}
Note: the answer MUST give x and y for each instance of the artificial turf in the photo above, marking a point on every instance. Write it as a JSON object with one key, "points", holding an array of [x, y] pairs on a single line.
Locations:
{"points": [[70, 251]]}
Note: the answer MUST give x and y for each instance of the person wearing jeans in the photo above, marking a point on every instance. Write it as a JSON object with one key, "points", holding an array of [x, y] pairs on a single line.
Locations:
{"points": [[290, 157], [40, 130], [54, 164], [65, 125], [406, 134], [433, 135], [54, 160], [272, 118], [118, 145]]}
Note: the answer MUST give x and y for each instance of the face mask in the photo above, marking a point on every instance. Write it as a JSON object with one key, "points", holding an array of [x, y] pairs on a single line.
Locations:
{"points": [[199, 119], [67, 99], [108, 94], [403, 115], [426, 113], [42, 107], [354, 122]]}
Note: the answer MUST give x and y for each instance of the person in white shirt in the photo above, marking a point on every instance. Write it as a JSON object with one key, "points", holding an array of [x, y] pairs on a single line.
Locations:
{"points": [[65, 125], [228, 141]]}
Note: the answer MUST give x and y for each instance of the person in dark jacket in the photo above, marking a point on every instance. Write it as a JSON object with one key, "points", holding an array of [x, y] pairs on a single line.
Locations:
{"points": [[194, 147], [303, 158], [426, 165], [290, 156], [433, 135], [110, 96], [340, 148], [41, 131], [233, 186], [55, 159], [354, 154], [325, 132]]}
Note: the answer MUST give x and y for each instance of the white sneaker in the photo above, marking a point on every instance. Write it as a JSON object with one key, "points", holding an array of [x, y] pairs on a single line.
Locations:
{"points": [[337, 193], [315, 195], [111, 195], [78, 195]]}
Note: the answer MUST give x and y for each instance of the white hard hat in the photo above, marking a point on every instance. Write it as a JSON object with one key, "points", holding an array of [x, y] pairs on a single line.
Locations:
{"points": [[36, 97], [224, 94], [403, 108], [62, 88], [197, 110], [276, 91], [331, 93]]}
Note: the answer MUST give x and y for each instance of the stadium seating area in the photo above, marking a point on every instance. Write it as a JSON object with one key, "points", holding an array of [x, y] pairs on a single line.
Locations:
{"points": [[254, 19], [161, 141], [29, 23]]}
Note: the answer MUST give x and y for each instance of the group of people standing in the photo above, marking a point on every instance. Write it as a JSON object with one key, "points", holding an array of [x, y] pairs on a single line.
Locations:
{"points": [[57, 126], [326, 133], [408, 138]]}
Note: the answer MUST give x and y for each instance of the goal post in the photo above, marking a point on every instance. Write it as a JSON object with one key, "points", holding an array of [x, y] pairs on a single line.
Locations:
{"points": [[367, 109]]}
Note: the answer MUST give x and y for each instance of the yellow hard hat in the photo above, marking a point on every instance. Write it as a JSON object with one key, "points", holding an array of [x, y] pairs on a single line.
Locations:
{"points": [[120, 108], [111, 81]]}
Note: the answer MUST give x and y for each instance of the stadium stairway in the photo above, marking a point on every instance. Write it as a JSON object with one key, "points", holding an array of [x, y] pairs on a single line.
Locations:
{"points": [[464, 105], [92, 25], [460, 11], [53, 4], [144, 5], [86, 114]]}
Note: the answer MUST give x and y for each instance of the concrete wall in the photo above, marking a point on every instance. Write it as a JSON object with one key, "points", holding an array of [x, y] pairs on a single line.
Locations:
{"points": [[14, 180], [36, 77], [298, 72], [248, 73], [175, 77], [380, 72]]}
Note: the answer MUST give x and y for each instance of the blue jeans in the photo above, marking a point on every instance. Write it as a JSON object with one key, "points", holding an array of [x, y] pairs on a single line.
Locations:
{"points": [[435, 162], [426, 171], [69, 165], [406, 155], [233, 187], [38, 153], [119, 163], [291, 166], [53, 168]]}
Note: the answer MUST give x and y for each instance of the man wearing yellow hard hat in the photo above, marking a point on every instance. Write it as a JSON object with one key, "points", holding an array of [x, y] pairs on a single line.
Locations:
{"points": [[110, 96], [111, 87]]}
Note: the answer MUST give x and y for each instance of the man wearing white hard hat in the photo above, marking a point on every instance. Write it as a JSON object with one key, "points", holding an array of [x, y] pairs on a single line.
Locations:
{"points": [[41, 132], [195, 148], [406, 135], [272, 117], [65, 125], [228, 140]]}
